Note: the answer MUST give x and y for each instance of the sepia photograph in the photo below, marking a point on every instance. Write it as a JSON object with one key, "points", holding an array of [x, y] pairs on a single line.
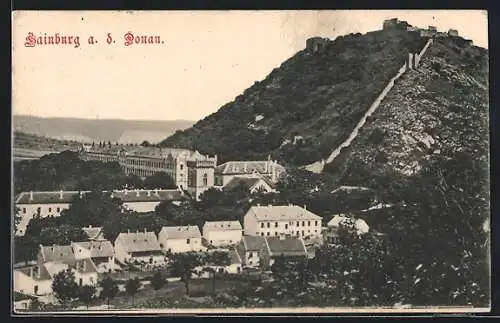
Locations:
{"points": [[252, 161]]}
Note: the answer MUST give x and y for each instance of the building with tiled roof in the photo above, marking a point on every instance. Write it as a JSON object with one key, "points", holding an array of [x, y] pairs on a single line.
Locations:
{"points": [[52, 203], [274, 221], [269, 169], [251, 249], [101, 252], [138, 247], [177, 239], [234, 266], [145, 161], [222, 233], [253, 184], [94, 233]]}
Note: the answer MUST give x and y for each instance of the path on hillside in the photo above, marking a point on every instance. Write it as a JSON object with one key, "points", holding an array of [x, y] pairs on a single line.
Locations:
{"points": [[317, 167]]}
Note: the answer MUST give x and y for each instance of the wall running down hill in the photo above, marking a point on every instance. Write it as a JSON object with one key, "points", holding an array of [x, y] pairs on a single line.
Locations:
{"points": [[411, 63]]}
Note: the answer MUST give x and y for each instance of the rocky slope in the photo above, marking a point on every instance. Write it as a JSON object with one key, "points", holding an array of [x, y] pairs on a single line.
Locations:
{"points": [[307, 105], [440, 108]]}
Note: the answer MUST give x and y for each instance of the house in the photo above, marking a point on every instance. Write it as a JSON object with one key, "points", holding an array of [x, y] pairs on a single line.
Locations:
{"points": [[55, 258], [269, 169], [138, 247], [281, 247], [146, 200], [390, 23], [250, 250], [358, 225], [253, 184], [222, 233], [180, 239], [29, 280], [94, 233], [41, 204], [52, 203], [234, 266], [289, 220], [22, 301], [101, 252]]}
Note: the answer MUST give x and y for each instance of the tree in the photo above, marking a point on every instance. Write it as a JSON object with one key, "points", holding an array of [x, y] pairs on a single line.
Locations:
{"points": [[86, 294], [93, 208], [159, 180], [215, 260], [132, 286], [109, 289], [17, 218], [158, 280], [64, 286], [146, 143], [183, 265]]}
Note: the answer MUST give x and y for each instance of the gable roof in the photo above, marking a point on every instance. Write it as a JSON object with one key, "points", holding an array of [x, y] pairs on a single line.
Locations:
{"points": [[235, 257], [138, 241], [247, 182], [337, 220], [94, 233], [180, 232], [148, 195], [248, 167], [253, 243], [221, 225], [286, 247], [58, 253], [282, 212], [97, 249], [66, 197]]}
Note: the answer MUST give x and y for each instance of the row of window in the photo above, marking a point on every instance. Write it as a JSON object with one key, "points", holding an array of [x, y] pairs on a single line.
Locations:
{"points": [[291, 223], [276, 233], [39, 210]]}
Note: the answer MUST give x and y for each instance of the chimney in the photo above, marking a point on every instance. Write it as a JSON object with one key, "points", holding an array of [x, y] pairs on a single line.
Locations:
{"points": [[61, 194], [149, 193], [112, 194], [31, 272], [81, 194], [90, 226], [156, 191], [31, 195], [126, 191], [137, 192]]}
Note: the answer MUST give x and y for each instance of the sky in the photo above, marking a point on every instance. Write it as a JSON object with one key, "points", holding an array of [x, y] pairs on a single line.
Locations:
{"points": [[207, 58]]}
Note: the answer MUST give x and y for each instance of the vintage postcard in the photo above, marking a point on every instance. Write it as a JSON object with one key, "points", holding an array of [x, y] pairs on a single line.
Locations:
{"points": [[250, 162]]}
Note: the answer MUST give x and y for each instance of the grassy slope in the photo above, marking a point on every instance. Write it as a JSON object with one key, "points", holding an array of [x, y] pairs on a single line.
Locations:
{"points": [[320, 96]]}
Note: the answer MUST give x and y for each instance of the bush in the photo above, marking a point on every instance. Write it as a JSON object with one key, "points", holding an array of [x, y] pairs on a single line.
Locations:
{"points": [[436, 66], [377, 136]]}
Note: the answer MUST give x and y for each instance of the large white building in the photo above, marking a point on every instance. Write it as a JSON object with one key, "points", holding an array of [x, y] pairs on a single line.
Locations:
{"points": [[52, 203], [287, 220], [222, 233], [180, 239], [145, 161]]}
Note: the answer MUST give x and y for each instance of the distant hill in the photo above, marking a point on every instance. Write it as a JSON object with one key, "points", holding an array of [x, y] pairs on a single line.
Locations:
{"points": [[87, 130]]}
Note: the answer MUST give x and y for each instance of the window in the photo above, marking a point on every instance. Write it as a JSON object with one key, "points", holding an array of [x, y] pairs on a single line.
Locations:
{"points": [[276, 233], [302, 232], [58, 209], [286, 225], [24, 210], [188, 241], [308, 223], [182, 166], [276, 225], [315, 231], [205, 179], [211, 241], [80, 282], [38, 209], [249, 262], [262, 234], [268, 224], [303, 223], [316, 223], [35, 289], [250, 254], [298, 223], [262, 225], [298, 233], [50, 209], [268, 233]]}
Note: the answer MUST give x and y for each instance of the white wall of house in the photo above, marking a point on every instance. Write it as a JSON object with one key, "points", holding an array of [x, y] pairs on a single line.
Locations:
{"points": [[180, 245], [29, 211], [157, 259], [104, 265], [250, 225], [27, 285], [298, 228], [86, 278], [219, 238], [121, 255]]}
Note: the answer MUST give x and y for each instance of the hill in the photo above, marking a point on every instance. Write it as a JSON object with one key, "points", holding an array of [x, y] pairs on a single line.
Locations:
{"points": [[319, 94], [88, 130]]}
